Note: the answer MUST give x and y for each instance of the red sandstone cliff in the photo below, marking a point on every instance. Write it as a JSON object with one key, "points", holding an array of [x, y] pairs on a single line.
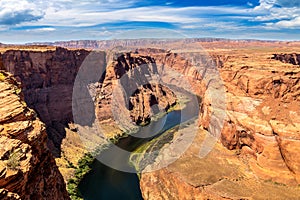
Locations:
{"points": [[288, 58], [47, 83], [27, 168]]}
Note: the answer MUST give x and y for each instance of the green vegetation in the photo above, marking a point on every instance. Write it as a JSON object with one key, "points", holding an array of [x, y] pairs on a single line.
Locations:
{"points": [[138, 158], [275, 183], [85, 163], [70, 164], [114, 140], [13, 161], [84, 167]]}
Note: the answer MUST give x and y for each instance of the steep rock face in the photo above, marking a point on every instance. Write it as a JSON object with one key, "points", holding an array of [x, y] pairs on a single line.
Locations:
{"points": [[47, 82], [130, 71], [28, 170], [263, 103], [288, 58], [48, 78]]}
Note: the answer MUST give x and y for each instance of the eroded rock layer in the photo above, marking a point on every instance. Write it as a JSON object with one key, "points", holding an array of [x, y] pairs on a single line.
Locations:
{"points": [[288, 58], [130, 72], [263, 104], [261, 130], [47, 83], [27, 168]]}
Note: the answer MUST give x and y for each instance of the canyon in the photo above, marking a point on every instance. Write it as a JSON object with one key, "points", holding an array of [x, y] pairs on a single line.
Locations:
{"points": [[256, 157]]}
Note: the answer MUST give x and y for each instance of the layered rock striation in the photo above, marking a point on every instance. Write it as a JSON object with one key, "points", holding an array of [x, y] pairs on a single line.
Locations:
{"points": [[47, 83], [27, 168], [261, 129], [293, 58]]}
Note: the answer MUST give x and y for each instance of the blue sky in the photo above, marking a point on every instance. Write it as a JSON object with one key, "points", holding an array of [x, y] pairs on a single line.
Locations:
{"points": [[24, 21]]}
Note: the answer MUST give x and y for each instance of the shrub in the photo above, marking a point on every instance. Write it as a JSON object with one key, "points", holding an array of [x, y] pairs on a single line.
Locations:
{"points": [[13, 161], [84, 167]]}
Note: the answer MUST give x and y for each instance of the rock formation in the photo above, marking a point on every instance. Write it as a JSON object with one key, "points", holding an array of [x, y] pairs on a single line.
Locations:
{"points": [[48, 79], [288, 58], [47, 83], [27, 168], [140, 95], [261, 130], [263, 103]]}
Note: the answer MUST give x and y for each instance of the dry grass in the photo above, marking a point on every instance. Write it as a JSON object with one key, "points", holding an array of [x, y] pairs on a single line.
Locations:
{"points": [[27, 48]]}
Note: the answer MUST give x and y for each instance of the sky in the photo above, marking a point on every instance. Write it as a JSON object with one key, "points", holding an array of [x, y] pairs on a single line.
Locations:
{"points": [[23, 21]]}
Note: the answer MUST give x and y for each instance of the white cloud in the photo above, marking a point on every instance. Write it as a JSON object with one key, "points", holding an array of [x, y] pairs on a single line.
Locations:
{"points": [[265, 4], [67, 17], [39, 30], [17, 11], [250, 4], [278, 14], [285, 13], [86, 17], [293, 23]]}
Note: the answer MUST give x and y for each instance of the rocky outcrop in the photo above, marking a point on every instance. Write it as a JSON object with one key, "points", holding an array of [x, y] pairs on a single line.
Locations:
{"points": [[263, 106], [261, 127], [47, 83], [219, 175], [131, 72], [48, 79], [27, 168], [288, 58]]}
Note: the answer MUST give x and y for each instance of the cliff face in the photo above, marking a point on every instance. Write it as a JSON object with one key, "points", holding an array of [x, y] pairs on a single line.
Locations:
{"points": [[27, 168], [48, 79], [47, 83], [130, 71], [263, 103], [288, 58]]}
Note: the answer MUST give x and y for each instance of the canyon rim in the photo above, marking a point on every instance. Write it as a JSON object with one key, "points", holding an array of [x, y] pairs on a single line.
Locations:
{"points": [[149, 100]]}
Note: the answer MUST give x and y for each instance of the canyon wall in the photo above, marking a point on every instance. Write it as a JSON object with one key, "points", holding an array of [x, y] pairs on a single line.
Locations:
{"points": [[27, 168], [263, 104], [288, 58], [131, 72], [261, 129], [208, 43], [47, 83], [48, 78]]}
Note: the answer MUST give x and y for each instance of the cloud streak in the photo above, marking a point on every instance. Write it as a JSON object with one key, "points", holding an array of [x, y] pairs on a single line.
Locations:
{"points": [[98, 19], [277, 14]]}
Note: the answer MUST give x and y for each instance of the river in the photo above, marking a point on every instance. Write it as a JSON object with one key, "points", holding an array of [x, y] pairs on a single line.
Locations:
{"points": [[106, 183]]}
